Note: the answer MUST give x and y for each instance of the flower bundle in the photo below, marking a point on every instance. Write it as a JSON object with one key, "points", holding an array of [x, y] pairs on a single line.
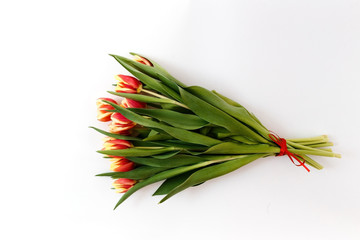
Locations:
{"points": [[184, 136]]}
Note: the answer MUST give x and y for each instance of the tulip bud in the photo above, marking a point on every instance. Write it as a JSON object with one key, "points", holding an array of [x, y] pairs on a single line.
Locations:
{"points": [[119, 129], [127, 84], [129, 103], [102, 109], [123, 184], [121, 164], [120, 124], [115, 144], [142, 60]]}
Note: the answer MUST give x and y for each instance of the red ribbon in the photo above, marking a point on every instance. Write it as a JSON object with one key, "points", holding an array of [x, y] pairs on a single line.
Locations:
{"points": [[284, 150]]}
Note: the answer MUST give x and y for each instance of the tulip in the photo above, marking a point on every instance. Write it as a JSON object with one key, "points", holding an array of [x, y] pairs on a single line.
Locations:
{"points": [[142, 60], [120, 124], [129, 103], [127, 84], [123, 184], [102, 108], [121, 164], [115, 144], [118, 129]]}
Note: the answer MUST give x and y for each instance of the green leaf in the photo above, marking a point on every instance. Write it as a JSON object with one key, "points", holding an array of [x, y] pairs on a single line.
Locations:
{"points": [[239, 112], [166, 155], [158, 137], [136, 152], [211, 172], [168, 82], [172, 183], [177, 108], [220, 132], [159, 177], [238, 148], [138, 173], [162, 71], [181, 144], [228, 100], [214, 115], [243, 139], [182, 134], [235, 104], [117, 136], [142, 98], [176, 119], [142, 143], [171, 162], [148, 80], [205, 130]]}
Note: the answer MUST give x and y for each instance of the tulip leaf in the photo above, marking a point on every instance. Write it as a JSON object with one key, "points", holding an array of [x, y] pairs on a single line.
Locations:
{"points": [[217, 116], [162, 71], [205, 130], [176, 119], [238, 148], [142, 98], [135, 151], [177, 108], [181, 134], [235, 104], [168, 82], [148, 80], [166, 155], [117, 136], [211, 172], [228, 100], [171, 183], [243, 139], [142, 143], [157, 137], [138, 173], [238, 112], [171, 162], [181, 144], [159, 177]]}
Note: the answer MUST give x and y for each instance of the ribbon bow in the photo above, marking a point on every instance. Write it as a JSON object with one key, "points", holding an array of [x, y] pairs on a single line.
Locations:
{"points": [[281, 142]]}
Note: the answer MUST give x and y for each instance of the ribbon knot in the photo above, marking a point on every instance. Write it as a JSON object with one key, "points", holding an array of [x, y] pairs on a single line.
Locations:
{"points": [[281, 142]]}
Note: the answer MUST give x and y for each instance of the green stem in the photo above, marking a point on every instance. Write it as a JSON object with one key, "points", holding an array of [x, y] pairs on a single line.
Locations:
{"points": [[312, 162], [139, 147], [163, 97], [300, 146], [311, 142], [315, 152], [317, 138], [328, 144]]}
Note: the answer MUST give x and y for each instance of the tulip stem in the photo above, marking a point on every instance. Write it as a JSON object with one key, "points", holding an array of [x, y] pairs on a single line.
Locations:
{"points": [[163, 97]]}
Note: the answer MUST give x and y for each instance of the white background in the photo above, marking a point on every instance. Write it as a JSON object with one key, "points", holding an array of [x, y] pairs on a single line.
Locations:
{"points": [[295, 64]]}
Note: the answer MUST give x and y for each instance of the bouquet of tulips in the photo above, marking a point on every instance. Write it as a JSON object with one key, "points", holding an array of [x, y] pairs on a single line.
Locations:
{"points": [[184, 136]]}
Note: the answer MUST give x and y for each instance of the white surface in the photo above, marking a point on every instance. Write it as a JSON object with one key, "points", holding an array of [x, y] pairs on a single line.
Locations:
{"points": [[295, 64]]}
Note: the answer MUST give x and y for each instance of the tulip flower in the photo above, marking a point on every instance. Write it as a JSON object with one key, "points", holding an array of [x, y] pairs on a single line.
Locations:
{"points": [[127, 84], [102, 108], [120, 124], [115, 144], [142, 60], [121, 164], [123, 184], [129, 103], [118, 129]]}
